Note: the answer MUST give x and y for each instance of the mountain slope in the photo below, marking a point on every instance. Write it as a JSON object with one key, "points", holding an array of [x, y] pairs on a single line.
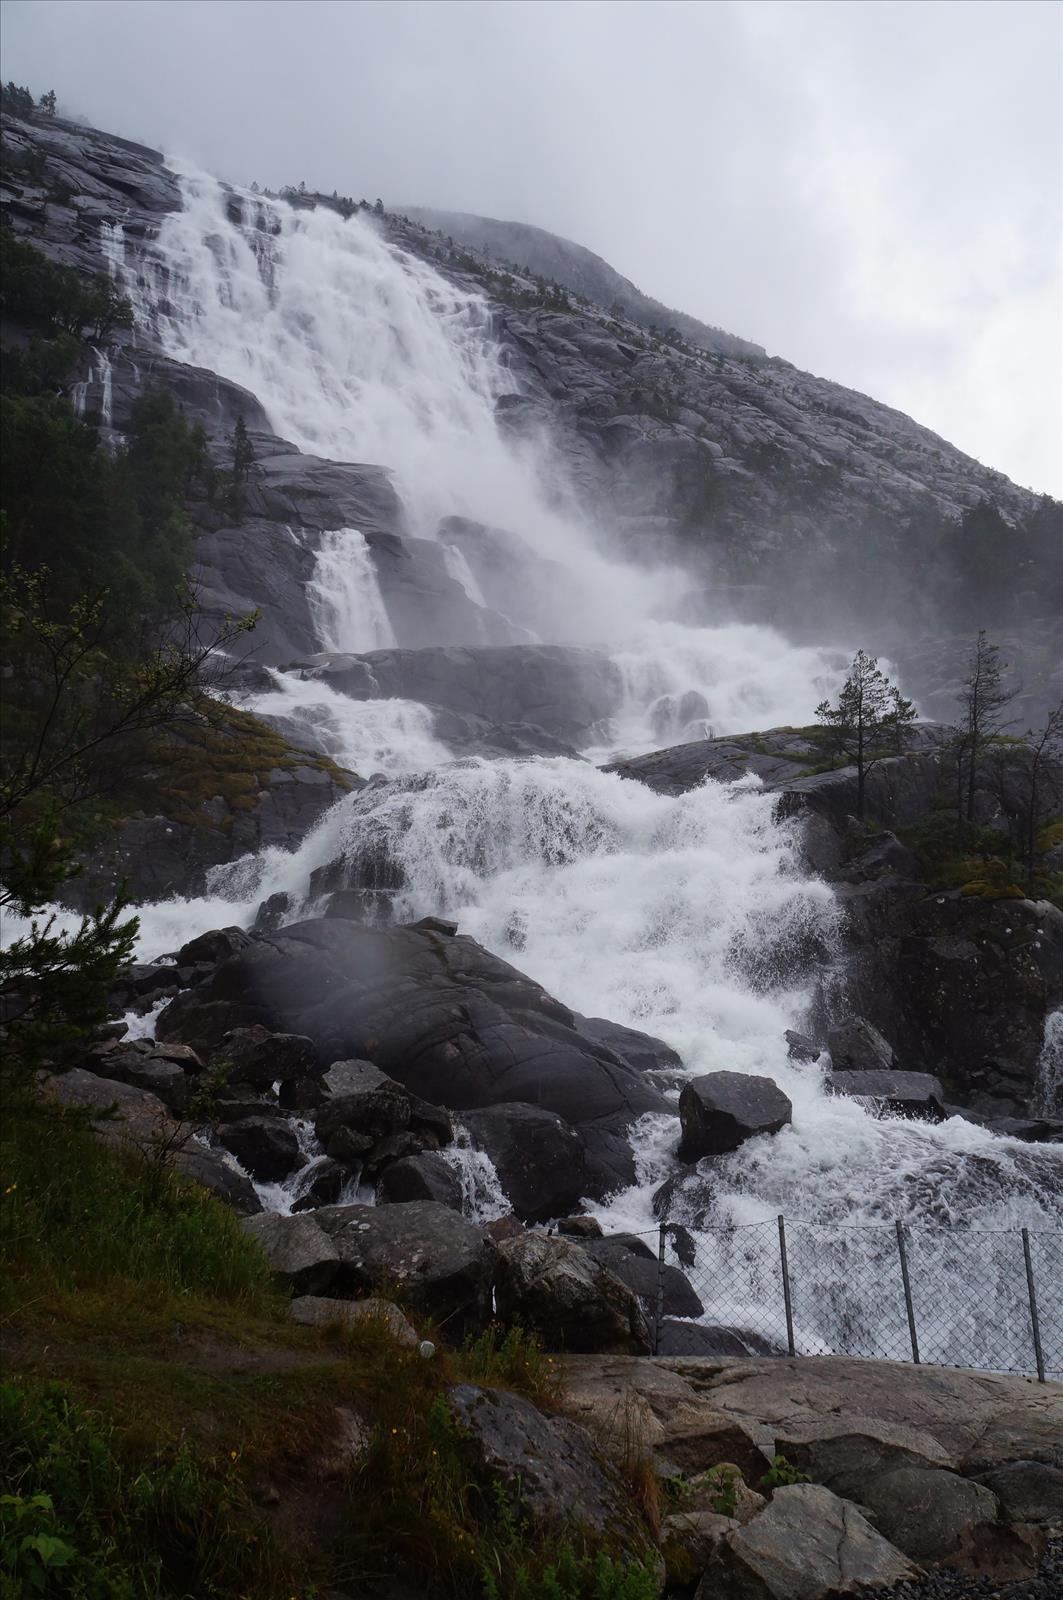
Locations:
{"points": [[547, 255]]}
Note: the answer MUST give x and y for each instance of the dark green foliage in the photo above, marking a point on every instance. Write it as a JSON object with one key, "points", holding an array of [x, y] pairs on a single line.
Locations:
{"points": [[869, 721], [16, 100], [58, 299], [84, 1518]]}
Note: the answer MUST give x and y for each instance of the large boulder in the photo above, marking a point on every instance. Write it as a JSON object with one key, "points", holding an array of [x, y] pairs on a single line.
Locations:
{"points": [[1028, 1491], [546, 1467], [434, 1011], [302, 1256], [573, 1302], [720, 1111], [905, 1094], [428, 1176], [359, 1098], [265, 1146], [441, 1265], [642, 1273], [540, 1159], [806, 1544], [260, 1058], [212, 1171], [938, 1518]]}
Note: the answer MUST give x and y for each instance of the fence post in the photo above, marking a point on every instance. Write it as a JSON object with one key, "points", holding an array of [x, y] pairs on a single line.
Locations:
{"points": [[787, 1302], [1034, 1324], [908, 1306], [658, 1317]]}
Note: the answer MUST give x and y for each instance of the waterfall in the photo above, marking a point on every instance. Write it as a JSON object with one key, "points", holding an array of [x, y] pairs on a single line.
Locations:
{"points": [[690, 916], [344, 595]]}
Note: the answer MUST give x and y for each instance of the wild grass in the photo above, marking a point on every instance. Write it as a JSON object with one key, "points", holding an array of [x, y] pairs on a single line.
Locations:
{"points": [[76, 1213], [169, 1433]]}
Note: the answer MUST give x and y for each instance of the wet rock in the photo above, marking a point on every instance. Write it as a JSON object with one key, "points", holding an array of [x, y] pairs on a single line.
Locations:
{"points": [[440, 1015], [720, 1111], [144, 1070], [395, 1147], [580, 1227], [640, 1050], [540, 1159], [265, 1146], [255, 1056], [212, 947], [545, 1466], [442, 1264], [421, 1177], [301, 1255], [572, 1301], [799, 1047], [362, 1099], [642, 1274], [905, 1094], [706, 1339], [856, 1046], [211, 1171], [806, 1544], [322, 1184], [316, 1311]]}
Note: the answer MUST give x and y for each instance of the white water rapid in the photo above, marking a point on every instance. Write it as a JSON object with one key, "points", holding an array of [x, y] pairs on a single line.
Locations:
{"points": [[687, 917]]}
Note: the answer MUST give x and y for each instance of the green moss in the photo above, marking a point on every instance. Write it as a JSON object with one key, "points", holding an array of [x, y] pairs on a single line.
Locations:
{"points": [[215, 752]]}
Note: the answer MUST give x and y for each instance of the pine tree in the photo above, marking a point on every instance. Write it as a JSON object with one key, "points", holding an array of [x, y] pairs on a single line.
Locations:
{"points": [[868, 722], [47, 103], [983, 699]]}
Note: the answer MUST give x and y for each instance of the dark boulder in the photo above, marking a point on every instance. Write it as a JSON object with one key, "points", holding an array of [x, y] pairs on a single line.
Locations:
{"points": [[361, 1099], [701, 1339], [939, 1518], [302, 1256], [1028, 1491], [265, 1146], [799, 1047], [640, 1050], [572, 1301], [855, 1046], [210, 1170], [444, 1018], [442, 1265], [255, 1056], [720, 1111], [428, 1176], [642, 1274], [540, 1160], [210, 948], [545, 1467], [321, 1184], [906, 1094], [580, 1227]]}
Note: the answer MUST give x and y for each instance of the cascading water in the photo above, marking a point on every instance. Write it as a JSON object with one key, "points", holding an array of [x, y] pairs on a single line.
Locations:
{"points": [[687, 917], [344, 595]]}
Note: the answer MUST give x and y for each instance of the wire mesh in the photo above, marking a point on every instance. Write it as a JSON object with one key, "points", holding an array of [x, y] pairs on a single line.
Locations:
{"points": [[989, 1301]]}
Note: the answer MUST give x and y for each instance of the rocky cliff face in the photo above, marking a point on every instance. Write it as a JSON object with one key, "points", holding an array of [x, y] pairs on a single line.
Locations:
{"points": [[786, 498]]}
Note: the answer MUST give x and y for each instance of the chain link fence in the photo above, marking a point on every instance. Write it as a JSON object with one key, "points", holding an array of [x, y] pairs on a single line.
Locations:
{"points": [[943, 1297]]}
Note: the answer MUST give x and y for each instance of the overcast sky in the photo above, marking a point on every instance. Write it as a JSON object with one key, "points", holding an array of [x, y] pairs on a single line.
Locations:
{"points": [[871, 189]]}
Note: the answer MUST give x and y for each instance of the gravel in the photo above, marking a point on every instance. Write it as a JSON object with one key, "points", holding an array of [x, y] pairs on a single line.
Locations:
{"points": [[946, 1585]]}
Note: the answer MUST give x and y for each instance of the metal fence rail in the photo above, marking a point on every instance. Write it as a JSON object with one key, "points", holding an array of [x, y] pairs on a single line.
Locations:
{"points": [[938, 1296]]}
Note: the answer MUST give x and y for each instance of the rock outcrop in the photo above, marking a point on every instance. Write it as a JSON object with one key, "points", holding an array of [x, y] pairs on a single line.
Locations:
{"points": [[434, 1011]]}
